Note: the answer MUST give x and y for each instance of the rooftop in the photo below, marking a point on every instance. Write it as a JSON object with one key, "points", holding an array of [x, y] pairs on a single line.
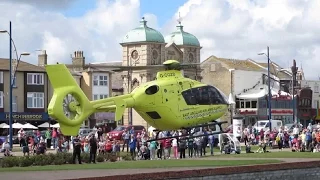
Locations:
{"points": [[22, 67], [237, 64]]}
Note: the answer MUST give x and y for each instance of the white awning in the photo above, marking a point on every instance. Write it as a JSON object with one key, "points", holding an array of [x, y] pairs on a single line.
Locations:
{"points": [[259, 92]]}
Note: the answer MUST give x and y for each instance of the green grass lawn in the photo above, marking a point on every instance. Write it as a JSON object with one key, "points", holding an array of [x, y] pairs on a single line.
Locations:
{"points": [[142, 165], [284, 154]]}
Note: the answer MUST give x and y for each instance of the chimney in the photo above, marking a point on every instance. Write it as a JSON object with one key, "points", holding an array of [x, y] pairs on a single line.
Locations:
{"points": [[42, 58], [78, 60]]}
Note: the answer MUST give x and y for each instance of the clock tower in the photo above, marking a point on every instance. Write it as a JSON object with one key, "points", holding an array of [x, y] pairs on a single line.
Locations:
{"points": [[140, 47]]}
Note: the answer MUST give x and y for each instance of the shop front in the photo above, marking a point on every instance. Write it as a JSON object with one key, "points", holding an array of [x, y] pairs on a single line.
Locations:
{"points": [[33, 118]]}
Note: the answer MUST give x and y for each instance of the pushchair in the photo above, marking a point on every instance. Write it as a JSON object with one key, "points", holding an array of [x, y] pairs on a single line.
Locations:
{"points": [[144, 155]]}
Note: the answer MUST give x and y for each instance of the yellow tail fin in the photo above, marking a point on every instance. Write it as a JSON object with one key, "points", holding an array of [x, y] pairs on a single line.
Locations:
{"points": [[69, 105]]}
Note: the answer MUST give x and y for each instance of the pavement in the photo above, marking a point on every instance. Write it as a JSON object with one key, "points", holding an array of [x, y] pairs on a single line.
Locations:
{"points": [[73, 174]]}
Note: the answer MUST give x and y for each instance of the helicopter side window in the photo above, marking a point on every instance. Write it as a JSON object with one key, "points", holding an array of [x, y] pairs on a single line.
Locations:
{"points": [[215, 96], [189, 97], [202, 95]]}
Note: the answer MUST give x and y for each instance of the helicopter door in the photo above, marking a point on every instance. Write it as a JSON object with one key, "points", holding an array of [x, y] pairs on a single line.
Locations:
{"points": [[170, 96]]}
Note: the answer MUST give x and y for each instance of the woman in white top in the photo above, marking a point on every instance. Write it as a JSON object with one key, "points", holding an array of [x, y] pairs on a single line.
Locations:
{"points": [[175, 147]]}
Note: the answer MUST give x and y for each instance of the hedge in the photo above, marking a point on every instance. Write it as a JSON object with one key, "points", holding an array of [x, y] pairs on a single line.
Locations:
{"points": [[53, 159]]}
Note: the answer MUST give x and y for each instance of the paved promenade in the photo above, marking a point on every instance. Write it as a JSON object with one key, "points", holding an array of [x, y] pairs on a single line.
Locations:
{"points": [[70, 174]]}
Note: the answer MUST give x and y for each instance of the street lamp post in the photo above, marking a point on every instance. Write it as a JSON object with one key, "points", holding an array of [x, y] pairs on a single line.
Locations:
{"points": [[11, 79], [269, 88]]}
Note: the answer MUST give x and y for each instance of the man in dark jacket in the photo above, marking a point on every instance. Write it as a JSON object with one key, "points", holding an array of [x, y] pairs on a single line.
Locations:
{"points": [[93, 149], [76, 150]]}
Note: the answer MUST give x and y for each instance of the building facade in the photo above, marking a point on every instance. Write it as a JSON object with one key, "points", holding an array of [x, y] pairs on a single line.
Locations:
{"points": [[144, 46], [246, 83], [30, 93]]}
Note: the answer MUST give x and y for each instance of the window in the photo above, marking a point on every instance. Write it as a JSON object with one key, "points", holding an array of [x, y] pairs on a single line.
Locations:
{"points": [[35, 79], [248, 104], [100, 80], [316, 88], [100, 96], [35, 100], [14, 84], [204, 96], [1, 99], [14, 104], [253, 104], [95, 80], [1, 77]]}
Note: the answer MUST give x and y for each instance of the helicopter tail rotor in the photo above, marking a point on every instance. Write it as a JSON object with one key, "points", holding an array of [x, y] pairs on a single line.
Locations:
{"points": [[69, 105]]}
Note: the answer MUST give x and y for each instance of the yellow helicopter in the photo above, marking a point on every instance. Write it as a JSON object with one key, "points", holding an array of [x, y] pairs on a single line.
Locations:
{"points": [[170, 102]]}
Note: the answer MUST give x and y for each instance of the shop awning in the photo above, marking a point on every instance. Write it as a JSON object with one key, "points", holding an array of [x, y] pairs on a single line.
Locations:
{"points": [[259, 92]]}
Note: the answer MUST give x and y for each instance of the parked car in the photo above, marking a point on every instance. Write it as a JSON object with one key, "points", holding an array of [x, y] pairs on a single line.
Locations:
{"points": [[118, 131], [85, 132]]}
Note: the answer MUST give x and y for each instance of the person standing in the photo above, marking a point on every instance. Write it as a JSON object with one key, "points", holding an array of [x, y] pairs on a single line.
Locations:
{"points": [[153, 147], [126, 138], [93, 149], [24, 145], [182, 147], [133, 146], [76, 150], [211, 142], [48, 137]]}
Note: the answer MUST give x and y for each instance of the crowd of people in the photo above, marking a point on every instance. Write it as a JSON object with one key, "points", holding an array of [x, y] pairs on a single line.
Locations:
{"points": [[138, 145], [141, 145], [298, 138]]}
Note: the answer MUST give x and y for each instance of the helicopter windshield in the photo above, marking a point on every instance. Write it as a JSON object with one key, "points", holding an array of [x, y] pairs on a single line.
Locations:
{"points": [[205, 95]]}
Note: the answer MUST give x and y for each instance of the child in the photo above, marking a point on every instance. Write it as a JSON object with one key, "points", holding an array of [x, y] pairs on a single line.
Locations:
{"points": [[101, 147], [117, 150]]}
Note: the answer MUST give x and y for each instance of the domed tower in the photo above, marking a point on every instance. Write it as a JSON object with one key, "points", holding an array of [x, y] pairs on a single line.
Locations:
{"points": [[141, 46], [184, 47]]}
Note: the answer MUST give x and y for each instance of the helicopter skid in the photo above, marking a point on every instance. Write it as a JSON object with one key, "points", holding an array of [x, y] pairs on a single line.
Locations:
{"points": [[189, 134]]}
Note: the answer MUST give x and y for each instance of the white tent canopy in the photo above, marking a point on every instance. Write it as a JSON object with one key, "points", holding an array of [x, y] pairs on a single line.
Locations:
{"points": [[3, 124], [44, 125], [14, 126], [57, 125], [29, 126]]}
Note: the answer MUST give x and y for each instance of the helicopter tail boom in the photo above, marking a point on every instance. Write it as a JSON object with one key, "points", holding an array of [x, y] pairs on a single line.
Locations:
{"points": [[118, 104], [69, 105]]}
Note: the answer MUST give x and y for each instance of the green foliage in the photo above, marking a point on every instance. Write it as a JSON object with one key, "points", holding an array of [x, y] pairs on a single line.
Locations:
{"points": [[101, 158], [51, 159], [126, 157]]}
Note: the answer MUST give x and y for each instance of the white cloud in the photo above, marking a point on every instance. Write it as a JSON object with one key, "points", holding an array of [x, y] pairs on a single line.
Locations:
{"points": [[225, 28], [97, 33], [242, 28]]}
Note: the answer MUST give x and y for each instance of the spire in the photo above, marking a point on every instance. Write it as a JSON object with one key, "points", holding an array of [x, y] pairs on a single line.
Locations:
{"points": [[179, 27], [143, 22]]}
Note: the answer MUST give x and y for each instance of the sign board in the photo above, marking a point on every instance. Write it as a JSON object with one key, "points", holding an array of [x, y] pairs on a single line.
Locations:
{"points": [[25, 116], [105, 116], [236, 124]]}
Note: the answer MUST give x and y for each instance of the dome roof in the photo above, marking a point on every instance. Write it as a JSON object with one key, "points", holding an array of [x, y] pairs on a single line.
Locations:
{"points": [[143, 33], [180, 37]]}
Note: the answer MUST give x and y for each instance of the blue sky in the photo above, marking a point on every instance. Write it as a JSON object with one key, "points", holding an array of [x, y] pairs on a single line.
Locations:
{"points": [[163, 9]]}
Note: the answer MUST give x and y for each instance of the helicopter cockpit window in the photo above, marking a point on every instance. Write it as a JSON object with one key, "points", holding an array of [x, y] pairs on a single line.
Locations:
{"points": [[152, 90], [216, 97], [203, 96]]}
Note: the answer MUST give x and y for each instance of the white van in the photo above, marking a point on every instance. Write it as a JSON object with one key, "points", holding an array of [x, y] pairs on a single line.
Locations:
{"points": [[264, 124]]}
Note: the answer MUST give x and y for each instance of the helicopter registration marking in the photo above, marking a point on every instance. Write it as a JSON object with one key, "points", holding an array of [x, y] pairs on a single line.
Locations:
{"points": [[167, 75], [202, 113]]}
